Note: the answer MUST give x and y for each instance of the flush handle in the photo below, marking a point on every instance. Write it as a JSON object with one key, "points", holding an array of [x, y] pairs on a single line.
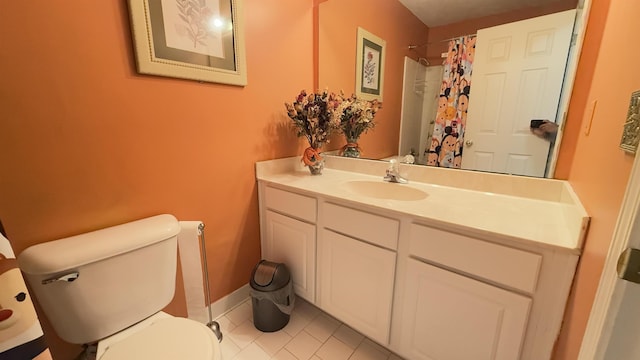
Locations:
{"points": [[70, 277]]}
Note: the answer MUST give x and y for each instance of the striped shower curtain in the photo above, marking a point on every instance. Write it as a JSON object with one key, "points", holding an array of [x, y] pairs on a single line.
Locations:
{"points": [[445, 149]]}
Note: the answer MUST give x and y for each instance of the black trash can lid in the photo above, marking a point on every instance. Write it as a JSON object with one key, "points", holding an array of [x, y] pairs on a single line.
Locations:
{"points": [[269, 276]]}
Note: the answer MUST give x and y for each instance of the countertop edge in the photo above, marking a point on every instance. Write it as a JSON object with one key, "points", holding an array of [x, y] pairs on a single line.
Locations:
{"points": [[484, 234]]}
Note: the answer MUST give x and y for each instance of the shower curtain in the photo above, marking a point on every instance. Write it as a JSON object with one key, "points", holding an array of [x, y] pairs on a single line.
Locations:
{"points": [[445, 149]]}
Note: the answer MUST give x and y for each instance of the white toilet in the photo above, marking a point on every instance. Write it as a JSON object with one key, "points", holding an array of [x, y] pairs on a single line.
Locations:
{"points": [[108, 287]]}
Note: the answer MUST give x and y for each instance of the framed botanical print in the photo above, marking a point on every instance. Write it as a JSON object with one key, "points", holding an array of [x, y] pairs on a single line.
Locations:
{"points": [[199, 40], [369, 65]]}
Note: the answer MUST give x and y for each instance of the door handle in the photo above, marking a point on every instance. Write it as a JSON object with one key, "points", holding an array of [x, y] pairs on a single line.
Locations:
{"points": [[468, 143], [628, 266]]}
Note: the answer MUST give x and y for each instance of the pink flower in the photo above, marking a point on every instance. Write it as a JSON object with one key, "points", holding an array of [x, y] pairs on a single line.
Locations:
{"points": [[301, 97]]}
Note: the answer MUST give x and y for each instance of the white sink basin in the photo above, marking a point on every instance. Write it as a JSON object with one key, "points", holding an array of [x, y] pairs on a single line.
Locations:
{"points": [[385, 190]]}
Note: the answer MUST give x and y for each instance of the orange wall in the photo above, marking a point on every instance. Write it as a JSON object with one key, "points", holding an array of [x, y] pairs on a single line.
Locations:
{"points": [[600, 170], [86, 142], [583, 82], [439, 33], [390, 20]]}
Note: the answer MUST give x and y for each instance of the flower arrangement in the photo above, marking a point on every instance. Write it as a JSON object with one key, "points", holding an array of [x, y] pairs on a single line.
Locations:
{"points": [[315, 116], [356, 118]]}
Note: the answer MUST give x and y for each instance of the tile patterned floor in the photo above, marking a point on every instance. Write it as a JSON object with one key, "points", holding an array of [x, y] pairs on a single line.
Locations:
{"points": [[310, 335]]}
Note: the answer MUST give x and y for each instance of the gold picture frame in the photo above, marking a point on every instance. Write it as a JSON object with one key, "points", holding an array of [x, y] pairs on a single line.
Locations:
{"points": [[200, 40], [631, 130], [370, 59]]}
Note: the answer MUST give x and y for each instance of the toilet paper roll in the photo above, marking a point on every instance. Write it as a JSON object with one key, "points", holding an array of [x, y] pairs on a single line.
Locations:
{"points": [[191, 263]]}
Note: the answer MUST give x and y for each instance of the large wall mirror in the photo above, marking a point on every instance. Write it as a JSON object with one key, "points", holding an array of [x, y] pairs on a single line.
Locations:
{"points": [[462, 80]]}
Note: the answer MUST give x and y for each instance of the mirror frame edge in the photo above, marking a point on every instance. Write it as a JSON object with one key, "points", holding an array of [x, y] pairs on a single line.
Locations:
{"points": [[580, 29]]}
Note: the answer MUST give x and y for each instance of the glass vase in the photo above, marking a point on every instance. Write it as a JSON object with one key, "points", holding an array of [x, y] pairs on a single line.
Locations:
{"points": [[313, 160], [316, 169], [352, 149]]}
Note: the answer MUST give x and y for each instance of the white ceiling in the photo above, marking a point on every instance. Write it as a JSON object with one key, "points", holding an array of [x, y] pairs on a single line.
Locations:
{"points": [[442, 12]]}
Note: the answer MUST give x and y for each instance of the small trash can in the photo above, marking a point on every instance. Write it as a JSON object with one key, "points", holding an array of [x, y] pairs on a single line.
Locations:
{"points": [[272, 296]]}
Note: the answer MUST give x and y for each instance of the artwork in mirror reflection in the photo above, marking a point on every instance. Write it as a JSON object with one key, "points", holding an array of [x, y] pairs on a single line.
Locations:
{"points": [[431, 82]]}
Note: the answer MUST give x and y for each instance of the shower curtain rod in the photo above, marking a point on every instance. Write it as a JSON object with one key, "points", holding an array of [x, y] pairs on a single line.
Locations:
{"points": [[411, 47]]}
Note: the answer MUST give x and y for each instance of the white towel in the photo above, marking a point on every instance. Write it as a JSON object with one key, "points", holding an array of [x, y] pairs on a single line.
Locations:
{"points": [[191, 262], [5, 248]]}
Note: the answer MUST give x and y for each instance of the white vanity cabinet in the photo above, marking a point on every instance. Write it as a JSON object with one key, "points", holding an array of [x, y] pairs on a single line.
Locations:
{"points": [[478, 297], [289, 237], [356, 268], [446, 315], [422, 288]]}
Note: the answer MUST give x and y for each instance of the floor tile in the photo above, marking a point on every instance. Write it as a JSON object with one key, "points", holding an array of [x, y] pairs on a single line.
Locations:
{"points": [[348, 336], [228, 348], [379, 348], [241, 313], [334, 349], [322, 327], [311, 334], [284, 355], [273, 342], [303, 345], [244, 334], [305, 309], [297, 322], [252, 352], [369, 351], [226, 325]]}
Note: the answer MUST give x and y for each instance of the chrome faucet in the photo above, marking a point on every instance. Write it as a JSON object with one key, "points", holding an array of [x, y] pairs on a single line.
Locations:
{"points": [[393, 173]]}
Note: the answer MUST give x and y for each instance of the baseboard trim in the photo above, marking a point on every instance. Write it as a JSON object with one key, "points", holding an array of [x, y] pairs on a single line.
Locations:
{"points": [[226, 303]]}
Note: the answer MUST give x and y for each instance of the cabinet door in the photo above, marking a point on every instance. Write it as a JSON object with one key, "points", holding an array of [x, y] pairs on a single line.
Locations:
{"points": [[446, 316], [293, 243], [356, 283]]}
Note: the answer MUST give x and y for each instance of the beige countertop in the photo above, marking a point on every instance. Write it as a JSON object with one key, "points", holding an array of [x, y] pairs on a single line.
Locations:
{"points": [[549, 215]]}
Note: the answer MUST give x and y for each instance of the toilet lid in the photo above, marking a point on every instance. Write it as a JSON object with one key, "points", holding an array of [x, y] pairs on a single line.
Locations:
{"points": [[167, 339]]}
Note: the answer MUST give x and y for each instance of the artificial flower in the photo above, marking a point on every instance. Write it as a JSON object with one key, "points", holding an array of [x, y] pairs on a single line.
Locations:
{"points": [[357, 116], [315, 116]]}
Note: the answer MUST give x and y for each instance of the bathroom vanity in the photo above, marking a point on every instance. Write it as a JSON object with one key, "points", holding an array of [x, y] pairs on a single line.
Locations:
{"points": [[455, 264]]}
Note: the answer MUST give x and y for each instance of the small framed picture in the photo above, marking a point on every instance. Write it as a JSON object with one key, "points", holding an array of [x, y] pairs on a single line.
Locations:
{"points": [[197, 40], [369, 65], [631, 129]]}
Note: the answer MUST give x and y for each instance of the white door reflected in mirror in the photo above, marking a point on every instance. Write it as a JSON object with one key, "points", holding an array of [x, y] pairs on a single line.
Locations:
{"points": [[516, 78]]}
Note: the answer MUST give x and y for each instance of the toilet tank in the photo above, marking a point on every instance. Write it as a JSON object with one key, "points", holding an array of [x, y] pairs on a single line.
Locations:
{"points": [[93, 285]]}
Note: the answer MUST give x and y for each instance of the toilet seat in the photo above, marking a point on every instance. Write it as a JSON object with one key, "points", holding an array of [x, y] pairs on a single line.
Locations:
{"points": [[167, 338]]}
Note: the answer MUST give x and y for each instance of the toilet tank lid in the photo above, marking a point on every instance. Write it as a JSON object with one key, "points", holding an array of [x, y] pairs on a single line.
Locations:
{"points": [[75, 251]]}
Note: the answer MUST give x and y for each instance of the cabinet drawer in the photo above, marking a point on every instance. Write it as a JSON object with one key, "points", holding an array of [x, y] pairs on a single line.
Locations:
{"points": [[299, 206], [372, 228], [512, 267]]}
